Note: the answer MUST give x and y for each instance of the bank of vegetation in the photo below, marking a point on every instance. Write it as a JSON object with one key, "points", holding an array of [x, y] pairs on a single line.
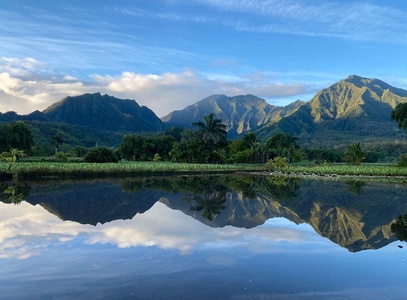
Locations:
{"points": [[202, 149]]}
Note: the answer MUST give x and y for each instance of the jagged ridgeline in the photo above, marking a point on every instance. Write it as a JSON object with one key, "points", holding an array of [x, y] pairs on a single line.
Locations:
{"points": [[104, 112], [89, 119], [240, 113], [355, 109]]}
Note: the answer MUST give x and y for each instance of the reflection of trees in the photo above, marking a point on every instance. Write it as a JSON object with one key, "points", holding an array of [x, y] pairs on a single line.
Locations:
{"points": [[279, 187], [355, 186], [399, 228], [211, 202], [209, 194], [14, 192]]}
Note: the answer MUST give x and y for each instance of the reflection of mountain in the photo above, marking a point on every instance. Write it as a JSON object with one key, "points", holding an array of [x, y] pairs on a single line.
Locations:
{"points": [[92, 202], [354, 221]]}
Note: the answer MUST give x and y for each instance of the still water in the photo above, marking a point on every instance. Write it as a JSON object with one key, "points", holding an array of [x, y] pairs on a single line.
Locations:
{"points": [[202, 237]]}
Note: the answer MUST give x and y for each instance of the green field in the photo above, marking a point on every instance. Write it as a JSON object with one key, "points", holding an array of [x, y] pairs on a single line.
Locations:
{"points": [[344, 169], [46, 169], [121, 169]]}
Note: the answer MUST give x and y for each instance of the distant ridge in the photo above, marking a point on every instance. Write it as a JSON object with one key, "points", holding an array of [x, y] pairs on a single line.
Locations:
{"points": [[354, 109], [104, 112], [241, 113]]}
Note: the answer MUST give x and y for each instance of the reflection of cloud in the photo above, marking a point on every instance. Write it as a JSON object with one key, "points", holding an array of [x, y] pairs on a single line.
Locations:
{"points": [[26, 230]]}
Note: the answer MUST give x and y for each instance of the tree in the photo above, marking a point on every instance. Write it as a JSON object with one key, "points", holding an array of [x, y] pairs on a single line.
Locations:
{"points": [[399, 114], [57, 140], [132, 147], [100, 155], [16, 136], [283, 145], [211, 129], [213, 133], [354, 154], [191, 150]]}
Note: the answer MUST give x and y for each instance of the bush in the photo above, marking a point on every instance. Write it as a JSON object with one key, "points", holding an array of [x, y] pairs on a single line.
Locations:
{"points": [[101, 155], [60, 156], [277, 162], [402, 160]]}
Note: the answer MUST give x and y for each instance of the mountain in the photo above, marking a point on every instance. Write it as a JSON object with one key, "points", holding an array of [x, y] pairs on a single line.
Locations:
{"points": [[104, 112], [241, 113], [354, 109], [87, 120]]}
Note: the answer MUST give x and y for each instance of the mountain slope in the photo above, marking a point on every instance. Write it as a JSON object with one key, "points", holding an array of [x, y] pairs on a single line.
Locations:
{"points": [[241, 113], [104, 112], [355, 108]]}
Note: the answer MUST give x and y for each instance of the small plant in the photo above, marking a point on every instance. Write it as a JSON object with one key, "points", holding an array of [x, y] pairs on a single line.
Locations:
{"points": [[277, 162], [11, 157], [402, 160], [157, 157], [60, 156]]}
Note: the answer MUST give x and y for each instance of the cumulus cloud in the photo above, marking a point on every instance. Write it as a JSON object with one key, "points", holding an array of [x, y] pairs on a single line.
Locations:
{"points": [[23, 90], [27, 230]]}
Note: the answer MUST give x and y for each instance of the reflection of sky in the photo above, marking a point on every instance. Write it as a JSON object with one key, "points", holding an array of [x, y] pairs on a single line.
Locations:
{"points": [[166, 254], [26, 229]]}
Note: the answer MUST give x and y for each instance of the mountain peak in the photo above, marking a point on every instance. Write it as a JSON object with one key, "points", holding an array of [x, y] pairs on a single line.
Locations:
{"points": [[104, 112], [376, 85], [241, 113]]}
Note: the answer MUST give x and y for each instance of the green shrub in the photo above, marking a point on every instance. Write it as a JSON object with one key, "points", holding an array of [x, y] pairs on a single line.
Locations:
{"points": [[277, 162], [402, 160], [157, 157], [60, 156], [101, 155]]}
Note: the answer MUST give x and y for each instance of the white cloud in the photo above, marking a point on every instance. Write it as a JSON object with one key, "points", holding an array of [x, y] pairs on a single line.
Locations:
{"points": [[26, 230], [23, 90], [354, 21]]}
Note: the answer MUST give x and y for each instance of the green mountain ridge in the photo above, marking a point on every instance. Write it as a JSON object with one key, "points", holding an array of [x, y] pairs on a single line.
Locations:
{"points": [[354, 109], [241, 113], [104, 112]]}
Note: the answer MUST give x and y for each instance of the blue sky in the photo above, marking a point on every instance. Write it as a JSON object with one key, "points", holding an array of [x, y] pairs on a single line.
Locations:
{"points": [[167, 54]]}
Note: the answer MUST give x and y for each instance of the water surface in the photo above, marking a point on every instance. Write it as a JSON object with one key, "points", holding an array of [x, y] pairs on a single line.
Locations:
{"points": [[201, 237]]}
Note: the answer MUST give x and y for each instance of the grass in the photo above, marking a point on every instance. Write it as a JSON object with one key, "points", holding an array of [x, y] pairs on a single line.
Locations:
{"points": [[46, 169], [343, 169], [86, 170]]}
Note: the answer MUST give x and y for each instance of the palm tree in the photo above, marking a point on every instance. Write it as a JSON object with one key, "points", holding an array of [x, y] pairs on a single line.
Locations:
{"points": [[212, 131], [11, 157], [354, 154], [57, 140]]}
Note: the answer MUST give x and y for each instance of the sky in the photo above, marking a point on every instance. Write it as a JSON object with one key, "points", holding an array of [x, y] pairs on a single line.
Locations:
{"points": [[168, 54]]}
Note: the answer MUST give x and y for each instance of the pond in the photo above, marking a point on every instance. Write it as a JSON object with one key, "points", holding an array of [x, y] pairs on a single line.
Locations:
{"points": [[202, 237]]}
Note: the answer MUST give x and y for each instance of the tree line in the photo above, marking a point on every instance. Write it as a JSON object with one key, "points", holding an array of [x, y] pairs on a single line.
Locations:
{"points": [[206, 143]]}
